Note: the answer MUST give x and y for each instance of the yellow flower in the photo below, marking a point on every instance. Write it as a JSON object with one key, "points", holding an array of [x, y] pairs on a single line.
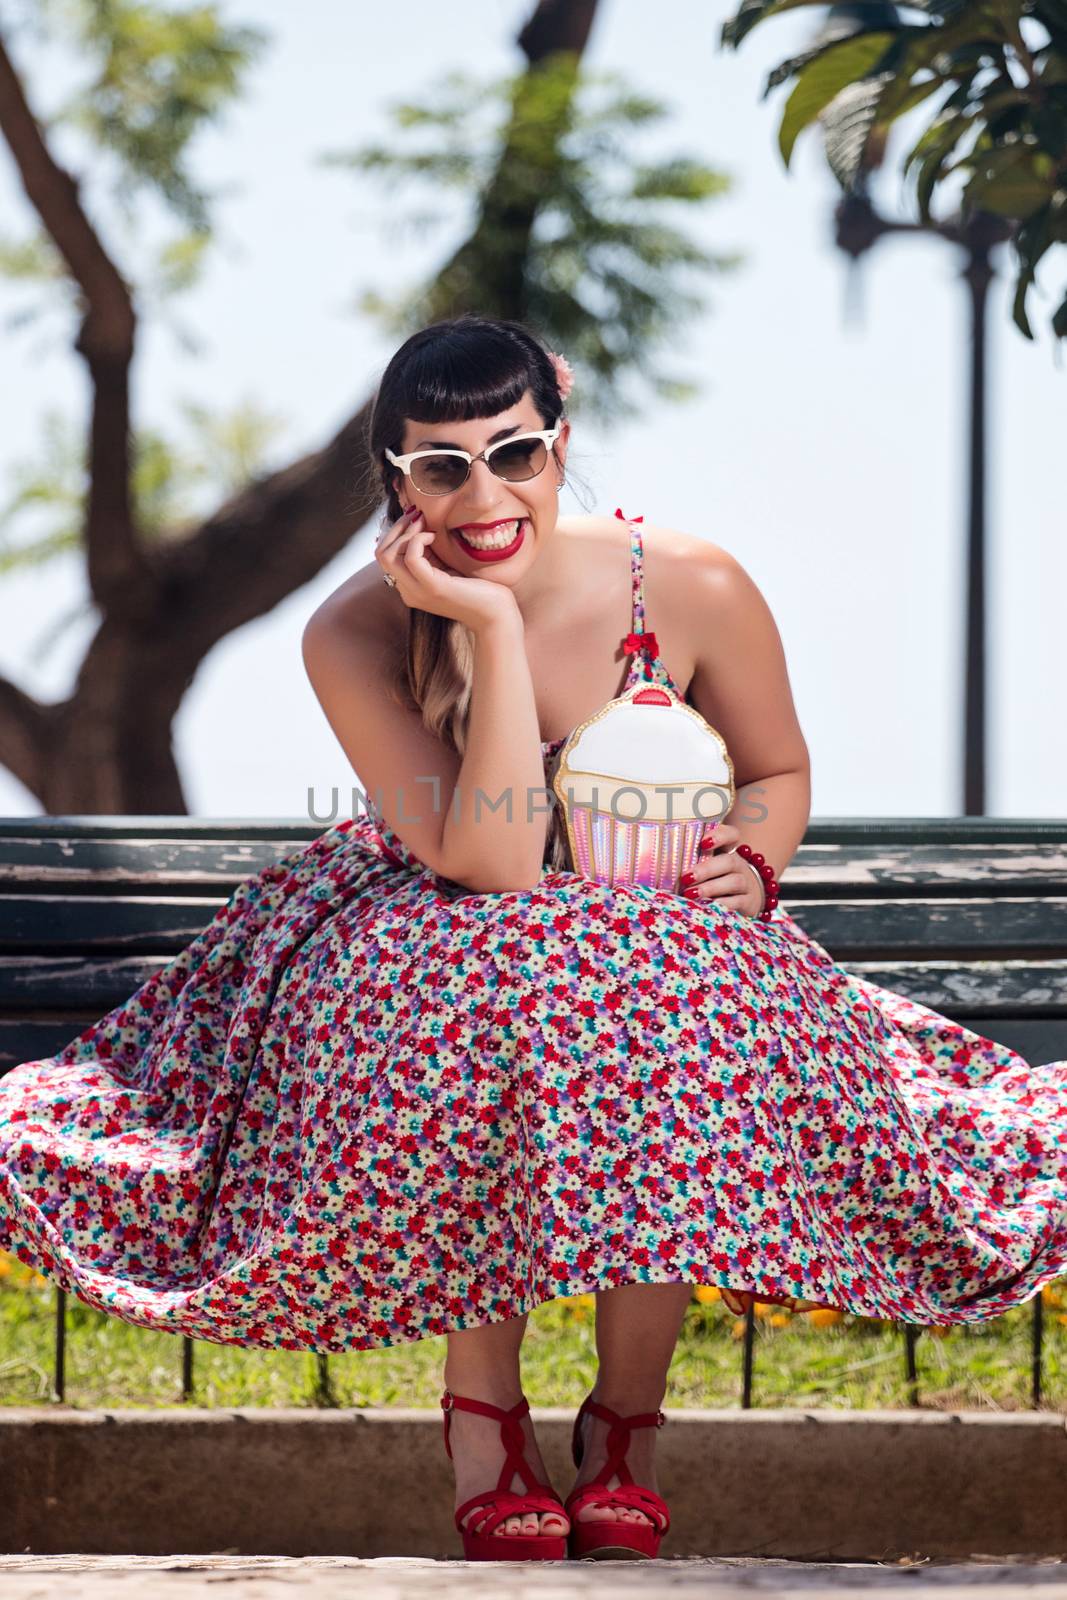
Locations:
{"points": [[738, 1330], [707, 1294], [825, 1317], [5, 1267], [579, 1306]]}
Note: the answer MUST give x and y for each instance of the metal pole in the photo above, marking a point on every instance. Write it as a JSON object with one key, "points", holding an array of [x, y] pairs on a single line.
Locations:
{"points": [[978, 274]]}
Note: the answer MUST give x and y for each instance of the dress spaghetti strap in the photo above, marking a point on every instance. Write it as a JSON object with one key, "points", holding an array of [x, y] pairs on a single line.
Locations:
{"points": [[642, 644]]}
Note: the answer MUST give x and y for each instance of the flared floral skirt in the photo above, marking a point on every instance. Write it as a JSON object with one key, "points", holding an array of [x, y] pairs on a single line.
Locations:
{"points": [[359, 1109]]}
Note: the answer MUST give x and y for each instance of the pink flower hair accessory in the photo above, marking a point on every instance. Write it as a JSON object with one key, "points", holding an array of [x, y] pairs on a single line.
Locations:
{"points": [[564, 373]]}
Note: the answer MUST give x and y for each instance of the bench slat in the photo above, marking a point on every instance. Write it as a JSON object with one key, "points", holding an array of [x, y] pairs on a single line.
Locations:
{"points": [[89, 924], [849, 929], [134, 866], [982, 927], [820, 830], [161, 864]]}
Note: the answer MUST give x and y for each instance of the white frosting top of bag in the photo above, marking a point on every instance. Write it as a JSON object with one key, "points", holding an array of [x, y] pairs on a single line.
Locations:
{"points": [[641, 742]]}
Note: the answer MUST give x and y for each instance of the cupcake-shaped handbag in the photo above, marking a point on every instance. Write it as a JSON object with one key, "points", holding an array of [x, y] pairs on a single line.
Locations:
{"points": [[640, 783]]}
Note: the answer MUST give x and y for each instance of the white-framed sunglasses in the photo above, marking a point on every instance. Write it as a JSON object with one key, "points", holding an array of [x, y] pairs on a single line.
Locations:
{"points": [[515, 460]]}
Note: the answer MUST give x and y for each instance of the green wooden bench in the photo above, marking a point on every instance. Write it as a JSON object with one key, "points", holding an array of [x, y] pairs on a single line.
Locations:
{"points": [[967, 915]]}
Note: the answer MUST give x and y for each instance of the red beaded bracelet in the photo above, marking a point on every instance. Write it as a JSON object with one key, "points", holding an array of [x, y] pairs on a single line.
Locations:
{"points": [[766, 872]]}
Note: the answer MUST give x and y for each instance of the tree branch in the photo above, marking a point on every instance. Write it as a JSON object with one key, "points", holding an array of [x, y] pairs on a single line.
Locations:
{"points": [[119, 574], [557, 25], [270, 538]]}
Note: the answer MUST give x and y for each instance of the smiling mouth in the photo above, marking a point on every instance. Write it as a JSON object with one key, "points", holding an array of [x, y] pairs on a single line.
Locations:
{"points": [[498, 538]]}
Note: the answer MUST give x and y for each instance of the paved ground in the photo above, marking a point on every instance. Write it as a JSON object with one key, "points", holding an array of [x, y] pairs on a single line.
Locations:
{"points": [[411, 1578]]}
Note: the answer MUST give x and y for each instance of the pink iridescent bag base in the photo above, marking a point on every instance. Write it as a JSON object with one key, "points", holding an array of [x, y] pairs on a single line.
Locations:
{"points": [[640, 783]]}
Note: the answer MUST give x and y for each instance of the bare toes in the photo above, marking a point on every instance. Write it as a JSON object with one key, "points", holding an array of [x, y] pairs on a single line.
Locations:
{"points": [[612, 1514]]}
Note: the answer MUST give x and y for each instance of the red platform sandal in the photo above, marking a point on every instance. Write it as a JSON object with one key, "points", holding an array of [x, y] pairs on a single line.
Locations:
{"points": [[482, 1544], [599, 1540]]}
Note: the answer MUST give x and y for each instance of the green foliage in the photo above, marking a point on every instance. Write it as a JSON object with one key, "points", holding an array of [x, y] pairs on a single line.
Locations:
{"points": [[171, 483], [154, 76], [51, 490], [596, 271], [999, 127], [823, 78], [33, 260], [179, 262], [158, 75]]}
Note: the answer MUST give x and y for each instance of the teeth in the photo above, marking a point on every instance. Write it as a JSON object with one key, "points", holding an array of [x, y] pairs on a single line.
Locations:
{"points": [[497, 539]]}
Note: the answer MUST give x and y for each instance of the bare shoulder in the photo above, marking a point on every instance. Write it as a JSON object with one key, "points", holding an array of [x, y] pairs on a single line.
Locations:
{"points": [[365, 623], [670, 555], [358, 634], [679, 557], [363, 603], [690, 584], [699, 582]]}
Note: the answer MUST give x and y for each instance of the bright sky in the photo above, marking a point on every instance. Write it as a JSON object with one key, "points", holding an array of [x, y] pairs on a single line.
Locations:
{"points": [[826, 450]]}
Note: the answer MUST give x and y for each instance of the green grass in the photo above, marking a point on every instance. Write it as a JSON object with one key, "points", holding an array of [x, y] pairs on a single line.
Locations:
{"points": [[851, 1362]]}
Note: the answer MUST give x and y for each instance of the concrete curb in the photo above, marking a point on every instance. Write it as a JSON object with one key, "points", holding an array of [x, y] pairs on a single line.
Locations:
{"points": [[806, 1485], [190, 1577], [193, 1577]]}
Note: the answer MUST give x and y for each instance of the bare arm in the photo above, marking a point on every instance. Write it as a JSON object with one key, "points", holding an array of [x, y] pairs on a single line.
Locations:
{"points": [[494, 834], [741, 686], [467, 819]]}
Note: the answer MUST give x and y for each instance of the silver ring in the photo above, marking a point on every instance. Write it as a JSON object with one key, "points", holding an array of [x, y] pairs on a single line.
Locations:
{"points": [[390, 580]]}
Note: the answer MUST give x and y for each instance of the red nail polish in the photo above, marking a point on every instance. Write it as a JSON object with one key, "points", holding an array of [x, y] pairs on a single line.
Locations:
{"points": [[687, 877]]}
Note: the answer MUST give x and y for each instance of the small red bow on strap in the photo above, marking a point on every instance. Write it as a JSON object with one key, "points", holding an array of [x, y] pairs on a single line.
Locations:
{"points": [[618, 513], [640, 641]]}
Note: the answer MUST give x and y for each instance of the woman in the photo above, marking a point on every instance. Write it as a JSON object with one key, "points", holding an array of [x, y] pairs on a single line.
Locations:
{"points": [[418, 1077]]}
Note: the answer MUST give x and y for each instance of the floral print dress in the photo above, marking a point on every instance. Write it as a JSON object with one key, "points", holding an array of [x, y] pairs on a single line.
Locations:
{"points": [[364, 1106]]}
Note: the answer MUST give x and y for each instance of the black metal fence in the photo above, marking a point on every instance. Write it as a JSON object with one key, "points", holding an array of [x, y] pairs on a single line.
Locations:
{"points": [[323, 1393]]}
